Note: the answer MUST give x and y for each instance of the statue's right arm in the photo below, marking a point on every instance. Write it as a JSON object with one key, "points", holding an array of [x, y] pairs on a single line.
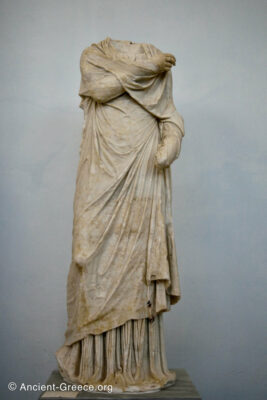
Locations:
{"points": [[100, 85], [105, 89]]}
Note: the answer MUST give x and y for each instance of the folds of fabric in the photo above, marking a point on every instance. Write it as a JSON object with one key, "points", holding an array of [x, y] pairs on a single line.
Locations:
{"points": [[124, 263], [129, 357], [138, 77]]}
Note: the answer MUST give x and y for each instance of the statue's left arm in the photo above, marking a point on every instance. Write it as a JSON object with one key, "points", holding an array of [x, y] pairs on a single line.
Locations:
{"points": [[170, 145]]}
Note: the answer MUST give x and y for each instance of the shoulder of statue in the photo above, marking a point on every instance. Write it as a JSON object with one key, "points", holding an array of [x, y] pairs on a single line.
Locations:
{"points": [[93, 49]]}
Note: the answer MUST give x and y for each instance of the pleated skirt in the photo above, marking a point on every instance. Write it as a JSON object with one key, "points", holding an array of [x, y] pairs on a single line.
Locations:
{"points": [[131, 358]]}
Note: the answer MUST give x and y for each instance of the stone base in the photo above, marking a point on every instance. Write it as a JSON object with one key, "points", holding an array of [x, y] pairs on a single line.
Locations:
{"points": [[182, 389]]}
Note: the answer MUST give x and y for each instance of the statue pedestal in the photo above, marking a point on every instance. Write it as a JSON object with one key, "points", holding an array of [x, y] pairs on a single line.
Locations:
{"points": [[183, 389]]}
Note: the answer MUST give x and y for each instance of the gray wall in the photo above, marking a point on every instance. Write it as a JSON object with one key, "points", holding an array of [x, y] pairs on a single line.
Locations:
{"points": [[219, 182]]}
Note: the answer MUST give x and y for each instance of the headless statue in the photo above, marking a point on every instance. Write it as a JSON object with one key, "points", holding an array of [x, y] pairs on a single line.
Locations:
{"points": [[123, 275]]}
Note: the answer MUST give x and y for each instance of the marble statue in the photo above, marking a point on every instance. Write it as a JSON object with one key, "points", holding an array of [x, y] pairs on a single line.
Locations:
{"points": [[123, 273]]}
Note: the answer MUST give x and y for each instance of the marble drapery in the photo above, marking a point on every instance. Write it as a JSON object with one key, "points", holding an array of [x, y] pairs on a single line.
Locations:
{"points": [[123, 273]]}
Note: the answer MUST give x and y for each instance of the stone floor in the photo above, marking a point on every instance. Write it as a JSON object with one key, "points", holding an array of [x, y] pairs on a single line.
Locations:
{"points": [[182, 389]]}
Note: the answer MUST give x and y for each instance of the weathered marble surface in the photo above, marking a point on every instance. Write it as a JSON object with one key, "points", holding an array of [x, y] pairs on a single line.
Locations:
{"points": [[123, 273]]}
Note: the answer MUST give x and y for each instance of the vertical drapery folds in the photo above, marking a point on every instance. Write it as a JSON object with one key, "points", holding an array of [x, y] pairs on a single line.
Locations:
{"points": [[124, 357]]}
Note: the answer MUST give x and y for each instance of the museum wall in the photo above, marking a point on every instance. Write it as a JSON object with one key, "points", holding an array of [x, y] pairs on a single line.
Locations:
{"points": [[219, 182]]}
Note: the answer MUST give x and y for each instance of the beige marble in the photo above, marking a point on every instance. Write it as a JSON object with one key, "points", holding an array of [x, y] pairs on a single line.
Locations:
{"points": [[123, 273]]}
